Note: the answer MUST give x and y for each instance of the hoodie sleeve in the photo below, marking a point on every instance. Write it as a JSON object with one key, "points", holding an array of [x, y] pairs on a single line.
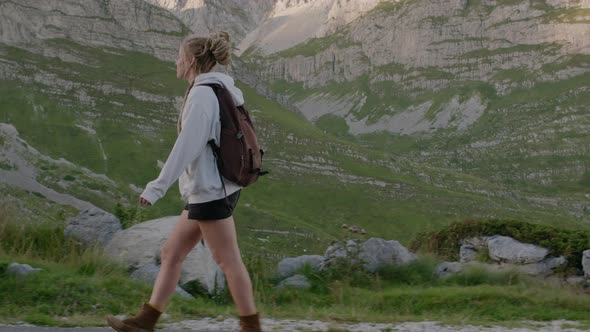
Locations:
{"points": [[191, 141]]}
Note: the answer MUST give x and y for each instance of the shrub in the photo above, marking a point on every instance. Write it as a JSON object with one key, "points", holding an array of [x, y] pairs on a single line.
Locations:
{"points": [[445, 242]]}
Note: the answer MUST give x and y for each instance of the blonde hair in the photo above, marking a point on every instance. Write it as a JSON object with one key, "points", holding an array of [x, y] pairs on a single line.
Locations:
{"points": [[208, 52]]}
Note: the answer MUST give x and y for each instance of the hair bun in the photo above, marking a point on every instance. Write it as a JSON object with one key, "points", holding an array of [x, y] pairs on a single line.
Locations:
{"points": [[219, 44]]}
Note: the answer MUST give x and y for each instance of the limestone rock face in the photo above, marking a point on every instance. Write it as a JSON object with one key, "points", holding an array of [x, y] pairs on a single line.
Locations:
{"points": [[203, 16], [127, 24], [417, 46]]}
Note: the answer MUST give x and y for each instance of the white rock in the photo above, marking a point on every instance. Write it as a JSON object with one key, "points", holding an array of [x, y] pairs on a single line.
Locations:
{"points": [[93, 226], [296, 281], [141, 244], [506, 249], [288, 266], [21, 270]]}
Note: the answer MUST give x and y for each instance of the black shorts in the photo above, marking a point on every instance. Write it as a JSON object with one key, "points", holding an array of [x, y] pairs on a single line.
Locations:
{"points": [[214, 210]]}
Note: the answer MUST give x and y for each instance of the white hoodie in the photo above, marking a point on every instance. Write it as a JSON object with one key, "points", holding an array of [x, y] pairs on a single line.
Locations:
{"points": [[192, 158]]}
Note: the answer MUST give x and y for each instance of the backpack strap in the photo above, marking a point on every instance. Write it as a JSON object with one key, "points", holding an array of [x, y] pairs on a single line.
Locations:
{"points": [[214, 147], [218, 161]]}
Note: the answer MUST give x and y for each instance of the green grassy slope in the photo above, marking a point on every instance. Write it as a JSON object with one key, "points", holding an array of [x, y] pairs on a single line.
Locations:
{"points": [[530, 142], [317, 182]]}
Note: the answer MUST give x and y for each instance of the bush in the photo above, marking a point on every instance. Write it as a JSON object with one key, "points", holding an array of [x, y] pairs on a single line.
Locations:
{"points": [[445, 242]]}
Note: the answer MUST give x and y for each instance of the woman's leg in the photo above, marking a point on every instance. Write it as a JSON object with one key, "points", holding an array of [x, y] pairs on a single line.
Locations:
{"points": [[184, 237], [222, 240]]}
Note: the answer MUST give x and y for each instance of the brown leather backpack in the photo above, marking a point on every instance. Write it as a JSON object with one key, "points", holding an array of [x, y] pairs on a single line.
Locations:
{"points": [[239, 157]]}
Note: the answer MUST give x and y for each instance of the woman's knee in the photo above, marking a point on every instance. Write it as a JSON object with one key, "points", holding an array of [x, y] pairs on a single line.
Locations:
{"points": [[228, 262]]}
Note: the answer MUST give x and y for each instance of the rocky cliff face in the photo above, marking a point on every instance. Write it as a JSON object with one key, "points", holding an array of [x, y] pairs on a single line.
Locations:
{"points": [[419, 47], [203, 16], [75, 76], [294, 21], [497, 89], [126, 24]]}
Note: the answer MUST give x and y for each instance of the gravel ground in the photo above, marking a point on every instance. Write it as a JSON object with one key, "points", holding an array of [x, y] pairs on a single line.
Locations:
{"points": [[273, 325]]}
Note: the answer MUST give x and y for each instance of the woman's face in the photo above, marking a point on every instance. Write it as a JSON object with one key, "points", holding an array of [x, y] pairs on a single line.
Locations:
{"points": [[182, 64]]}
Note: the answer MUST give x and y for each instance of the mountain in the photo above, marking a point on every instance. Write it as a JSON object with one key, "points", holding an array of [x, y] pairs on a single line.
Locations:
{"points": [[89, 115], [202, 16], [129, 25], [81, 82], [494, 89]]}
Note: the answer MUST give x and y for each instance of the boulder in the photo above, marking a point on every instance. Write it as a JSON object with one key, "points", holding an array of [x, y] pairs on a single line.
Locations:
{"points": [[377, 253], [467, 254], [348, 250], [93, 226], [140, 245], [296, 281], [507, 250], [148, 274], [21, 270], [470, 248], [200, 266], [290, 265], [374, 254], [539, 269], [446, 269], [574, 280], [543, 268]]}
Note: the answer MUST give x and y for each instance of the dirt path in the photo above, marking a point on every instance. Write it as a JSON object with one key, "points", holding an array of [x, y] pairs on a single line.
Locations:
{"points": [[273, 325]]}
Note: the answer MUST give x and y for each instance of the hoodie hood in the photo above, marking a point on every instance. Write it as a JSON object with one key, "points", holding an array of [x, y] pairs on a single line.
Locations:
{"points": [[223, 79]]}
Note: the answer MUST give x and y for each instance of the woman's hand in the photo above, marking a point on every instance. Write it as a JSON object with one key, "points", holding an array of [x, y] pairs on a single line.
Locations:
{"points": [[144, 202]]}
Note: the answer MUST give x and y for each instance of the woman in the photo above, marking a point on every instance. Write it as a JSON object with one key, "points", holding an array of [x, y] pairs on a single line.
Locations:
{"points": [[208, 213]]}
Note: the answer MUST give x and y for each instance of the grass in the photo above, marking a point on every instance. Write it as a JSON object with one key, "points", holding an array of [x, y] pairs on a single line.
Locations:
{"points": [[289, 200], [33, 206], [78, 286], [509, 51], [569, 16]]}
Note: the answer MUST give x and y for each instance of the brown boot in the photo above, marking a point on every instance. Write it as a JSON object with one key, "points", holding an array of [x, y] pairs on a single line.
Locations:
{"points": [[250, 323], [144, 321]]}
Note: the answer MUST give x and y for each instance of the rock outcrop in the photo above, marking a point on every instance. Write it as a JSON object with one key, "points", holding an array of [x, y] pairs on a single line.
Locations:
{"points": [[93, 227], [127, 24]]}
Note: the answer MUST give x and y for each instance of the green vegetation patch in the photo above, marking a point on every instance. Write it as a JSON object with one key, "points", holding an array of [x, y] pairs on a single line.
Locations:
{"points": [[333, 124], [314, 46], [522, 48], [445, 242]]}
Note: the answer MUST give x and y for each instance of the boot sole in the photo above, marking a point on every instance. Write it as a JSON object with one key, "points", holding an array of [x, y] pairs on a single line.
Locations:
{"points": [[119, 326]]}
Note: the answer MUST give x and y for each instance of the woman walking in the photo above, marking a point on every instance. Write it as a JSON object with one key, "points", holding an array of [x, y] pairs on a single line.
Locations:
{"points": [[208, 214]]}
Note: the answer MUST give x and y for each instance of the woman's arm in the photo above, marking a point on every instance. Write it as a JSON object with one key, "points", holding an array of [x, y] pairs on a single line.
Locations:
{"points": [[191, 141]]}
